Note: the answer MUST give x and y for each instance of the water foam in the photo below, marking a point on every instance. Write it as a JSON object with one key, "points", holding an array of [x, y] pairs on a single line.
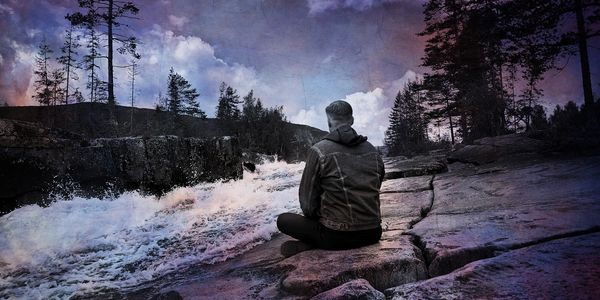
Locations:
{"points": [[89, 245]]}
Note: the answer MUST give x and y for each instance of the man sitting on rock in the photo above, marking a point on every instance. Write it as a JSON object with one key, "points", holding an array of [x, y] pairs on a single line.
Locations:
{"points": [[339, 191]]}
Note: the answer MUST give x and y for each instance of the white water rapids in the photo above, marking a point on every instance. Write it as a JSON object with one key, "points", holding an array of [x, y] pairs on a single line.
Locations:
{"points": [[81, 246]]}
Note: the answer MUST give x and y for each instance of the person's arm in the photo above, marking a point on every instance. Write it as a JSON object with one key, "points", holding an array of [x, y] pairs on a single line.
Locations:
{"points": [[382, 172], [310, 188]]}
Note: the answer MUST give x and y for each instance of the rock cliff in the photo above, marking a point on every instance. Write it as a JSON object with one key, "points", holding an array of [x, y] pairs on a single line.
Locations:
{"points": [[98, 120], [34, 160]]}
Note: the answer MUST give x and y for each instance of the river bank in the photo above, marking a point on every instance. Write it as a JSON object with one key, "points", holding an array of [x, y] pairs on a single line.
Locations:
{"points": [[521, 226]]}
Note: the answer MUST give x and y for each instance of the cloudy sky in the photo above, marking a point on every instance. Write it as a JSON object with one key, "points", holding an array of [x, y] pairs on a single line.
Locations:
{"points": [[301, 54]]}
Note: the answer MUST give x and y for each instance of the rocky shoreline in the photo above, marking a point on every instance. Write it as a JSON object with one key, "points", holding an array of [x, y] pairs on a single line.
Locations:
{"points": [[520, 226]]}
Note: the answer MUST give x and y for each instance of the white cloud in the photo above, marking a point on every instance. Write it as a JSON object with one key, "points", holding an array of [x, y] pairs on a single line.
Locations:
{"points": [[328, 59], [194, 59], [371, 109], [395, 86], [313, 117], [191, 49], [32, 32], [178, 22], [153, 60], [6, 9], [18, 74]]}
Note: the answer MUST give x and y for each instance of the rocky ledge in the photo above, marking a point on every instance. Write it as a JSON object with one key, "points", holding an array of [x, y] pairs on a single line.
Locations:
{"points": [[523, 227], [34, 160]]}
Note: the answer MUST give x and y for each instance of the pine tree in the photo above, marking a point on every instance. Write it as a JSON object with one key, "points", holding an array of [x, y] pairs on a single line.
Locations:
{"points": [[538, 118], [43, 83], [68, 60], [442, 100], [249, 131], [250, 111], [101, 91], [108, 13], [162, 103], [181, 97], [407, 132], [90, 62], [173, 95], [133, 72], [77, 96], [227, 105], [57, 79]]}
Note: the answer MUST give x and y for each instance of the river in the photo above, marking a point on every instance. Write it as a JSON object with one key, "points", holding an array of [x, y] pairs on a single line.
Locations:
{"points": [[80, 246]]}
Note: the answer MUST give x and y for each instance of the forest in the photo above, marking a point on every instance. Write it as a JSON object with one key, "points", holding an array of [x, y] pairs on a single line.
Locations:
{"points": [[486, 59]]}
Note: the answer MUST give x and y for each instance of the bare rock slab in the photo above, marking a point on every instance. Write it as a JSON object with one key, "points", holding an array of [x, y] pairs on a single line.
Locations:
{"points": [[389, 263], [358, 289], [474, 216], [407, 185], [400, 210], [400, 167], [566, 268], [490, 149]]}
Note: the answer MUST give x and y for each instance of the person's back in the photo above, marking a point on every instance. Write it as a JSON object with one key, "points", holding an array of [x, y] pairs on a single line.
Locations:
{"points": [[350, 177], [339, 192]]}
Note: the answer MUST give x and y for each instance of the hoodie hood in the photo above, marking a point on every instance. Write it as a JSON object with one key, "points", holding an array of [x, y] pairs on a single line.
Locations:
{"points": [[345, 135]]}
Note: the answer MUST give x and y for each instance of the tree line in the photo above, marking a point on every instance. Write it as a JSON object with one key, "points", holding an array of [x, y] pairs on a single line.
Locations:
{"points": [[258, 128], [486, 60]]}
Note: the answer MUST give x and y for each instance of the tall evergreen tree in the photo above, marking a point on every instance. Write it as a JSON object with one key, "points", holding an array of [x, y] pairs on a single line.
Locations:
{"points": [[78, 96], [249, 107], [90, 60], [68, 59], [227, 107], [441, 98], [133, 72], [407, 132], [43, 83], [57, 79], [101, 92], [181, 97], [109, 13]]}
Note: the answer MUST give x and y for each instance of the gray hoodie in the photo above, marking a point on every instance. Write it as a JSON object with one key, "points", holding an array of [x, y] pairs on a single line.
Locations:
{"points": [[341, 181]]}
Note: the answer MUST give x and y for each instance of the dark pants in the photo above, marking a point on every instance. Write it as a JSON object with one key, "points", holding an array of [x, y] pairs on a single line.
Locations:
{"points": [[314, 233]]}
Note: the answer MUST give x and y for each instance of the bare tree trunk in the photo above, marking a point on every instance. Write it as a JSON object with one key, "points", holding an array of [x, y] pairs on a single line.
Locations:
{"points": [[111, 92], [450, 121], [68, 65], [132, 97], [583, 55]]}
